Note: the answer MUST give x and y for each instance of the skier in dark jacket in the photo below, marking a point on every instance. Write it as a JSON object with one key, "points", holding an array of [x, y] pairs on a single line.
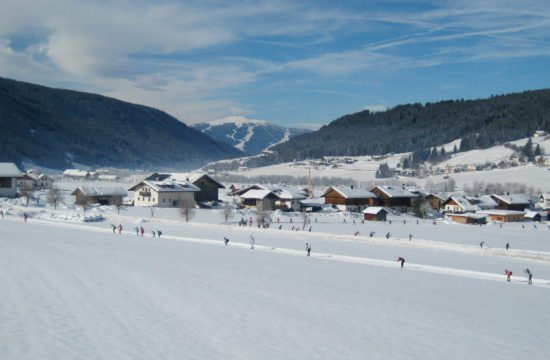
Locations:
{"points": [[159, 233], [507, 245], [401, 260], [308, 249], [530, 275], [225, 241]]}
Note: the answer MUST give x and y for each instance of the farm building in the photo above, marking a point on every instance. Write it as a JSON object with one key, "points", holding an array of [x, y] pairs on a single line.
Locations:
{"points": [[9, 173], [111, 195], [503, 215], [164, 194], [518, 202], [259, 199], [349, 199], [375, 213], [207, 185], [436, 201], [468, 218], [393, 197], [459, 204]]}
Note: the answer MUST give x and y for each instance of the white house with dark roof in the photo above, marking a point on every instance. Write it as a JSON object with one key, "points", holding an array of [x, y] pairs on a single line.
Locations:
{"points": [[9, 173], [207, 185], [166, 193], [459, 204], [259, 199], [349, 199]]}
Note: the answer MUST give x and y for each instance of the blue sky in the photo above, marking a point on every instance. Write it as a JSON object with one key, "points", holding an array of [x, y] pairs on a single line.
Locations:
{"points": [[294, 63]]}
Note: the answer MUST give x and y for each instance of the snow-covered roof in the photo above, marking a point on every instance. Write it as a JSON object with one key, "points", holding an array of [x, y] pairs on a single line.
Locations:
{"points": [[475, 216], [513, 199], [485, 202], [394, 191], [286, 194], [167, 186], [464, 203], [374, 210], [441, 196], [500, 212], [349, 193], [9, 170], [192, 177], [75, 173], [107, 177], [30, 176], [256, 194], [101, 191], [532, 214]]}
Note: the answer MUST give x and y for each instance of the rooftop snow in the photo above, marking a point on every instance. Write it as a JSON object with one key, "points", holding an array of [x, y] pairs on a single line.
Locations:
{"points": [[9, 170]]}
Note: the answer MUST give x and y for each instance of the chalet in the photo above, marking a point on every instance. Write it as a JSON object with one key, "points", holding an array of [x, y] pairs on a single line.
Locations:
{"points": [[518, 202], [239, 192], [349, 199], [288, 199], [262, 200], [468, 218], [459, 204], [544, 201], [539, 133], [436, 201], [9, 173], [27, 181], [393, 196], [503, 215], [164, 194], [111, 195], [207, 185], [375, 213], [44, 181]]}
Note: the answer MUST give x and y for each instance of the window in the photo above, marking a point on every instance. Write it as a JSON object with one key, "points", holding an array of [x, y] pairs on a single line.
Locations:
{"points": [[5, 182]]}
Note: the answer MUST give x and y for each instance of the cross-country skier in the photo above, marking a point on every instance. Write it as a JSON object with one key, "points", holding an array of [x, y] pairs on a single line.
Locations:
{"points": [[251, 242], [530, 275], [137, 231], [113, 226], [402, 260], [225, 241], [119, 229], [410, 237], [2, 213], [388, 235], [507, 245], [25, 216], [309, 229], [308, 249], [356, 233], [508, 274], [154, 233], [481, 244], [142, 230], [159, 233]]}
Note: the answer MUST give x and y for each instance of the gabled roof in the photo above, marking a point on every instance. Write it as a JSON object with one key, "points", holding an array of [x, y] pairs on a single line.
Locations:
{"points": [[101, 191], [514, 199], [193, 177], [463, 203], [349, 193], [256, 194], [500, 212], [286, 194], [167, 186], [395, 191], [251, 187], [75, 172], [532, 214], [484, 202], [9, 170], [29, 176], [374, 210], [440, 196]]}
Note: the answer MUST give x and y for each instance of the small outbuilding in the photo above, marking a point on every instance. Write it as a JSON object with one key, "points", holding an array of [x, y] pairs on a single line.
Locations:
{"points": [[375, 213], [111, 195], [468, 218], [503, 215], [9, 173]]}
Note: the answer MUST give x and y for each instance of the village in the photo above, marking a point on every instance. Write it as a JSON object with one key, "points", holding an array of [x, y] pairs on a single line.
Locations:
{"points": [[202, 190]]}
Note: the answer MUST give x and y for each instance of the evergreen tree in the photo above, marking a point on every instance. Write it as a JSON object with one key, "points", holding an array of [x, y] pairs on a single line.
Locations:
{"points": [[538, 151], [527, 150]]}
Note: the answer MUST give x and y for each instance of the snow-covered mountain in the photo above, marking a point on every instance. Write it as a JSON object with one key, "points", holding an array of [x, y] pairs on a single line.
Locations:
{"points": [[249, 135]]}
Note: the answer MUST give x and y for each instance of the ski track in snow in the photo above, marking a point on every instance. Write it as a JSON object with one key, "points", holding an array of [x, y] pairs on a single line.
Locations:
{"points": [[544, 283]]}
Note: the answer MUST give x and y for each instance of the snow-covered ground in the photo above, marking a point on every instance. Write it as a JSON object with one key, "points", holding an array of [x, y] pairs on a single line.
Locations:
{"points": [[72, 289]]}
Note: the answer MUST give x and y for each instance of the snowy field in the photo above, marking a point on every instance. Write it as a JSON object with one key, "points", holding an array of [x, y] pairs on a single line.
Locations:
{"points": [[75, 290]]}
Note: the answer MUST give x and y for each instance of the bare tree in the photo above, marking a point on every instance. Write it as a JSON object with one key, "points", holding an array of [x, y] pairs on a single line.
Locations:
{"points": [[305, 218], [54, 196], [187, 209], [228, 211], [27, 192], [118, 203], [84, 203]]}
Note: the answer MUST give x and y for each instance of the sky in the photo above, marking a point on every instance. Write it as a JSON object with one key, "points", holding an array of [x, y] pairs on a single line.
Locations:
{"points": [[291, 62]]}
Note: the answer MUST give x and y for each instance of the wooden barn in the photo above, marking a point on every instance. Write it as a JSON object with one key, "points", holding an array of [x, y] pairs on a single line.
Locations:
{"points": [[503, 215], [394, 197], [349, 199], [375, 213], [99, 195], [468, 218], [517, 202], [436, 200]]}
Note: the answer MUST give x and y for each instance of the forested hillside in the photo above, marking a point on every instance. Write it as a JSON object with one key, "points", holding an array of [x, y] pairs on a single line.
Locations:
{"points": [[57, 128], [480, 123]]}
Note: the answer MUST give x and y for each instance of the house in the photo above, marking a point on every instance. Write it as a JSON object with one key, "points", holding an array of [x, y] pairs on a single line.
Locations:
{"points": [[166, 193], [534, 216], [239, 192], [27, 181], [375, 213], [544, 201], [207, 185], [459, 204], [394, 196], [76, 174], [349, 199], [44, 181], [468, 218], [518, 202], [503, 215], [9, 173], [262, 200], [539, 133], [436, 201], [110, 195], [288, 199]]}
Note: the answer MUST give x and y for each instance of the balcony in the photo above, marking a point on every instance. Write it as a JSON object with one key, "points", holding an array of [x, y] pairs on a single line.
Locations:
{"points": [[144, 193]]}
